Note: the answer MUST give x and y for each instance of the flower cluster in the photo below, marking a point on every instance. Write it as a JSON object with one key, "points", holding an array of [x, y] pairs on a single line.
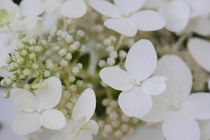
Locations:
{"points": [[107, 69]]}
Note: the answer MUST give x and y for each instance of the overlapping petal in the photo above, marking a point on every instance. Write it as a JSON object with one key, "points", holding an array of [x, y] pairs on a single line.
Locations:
{"points": [[181, 127], [117, 78], [50, 93], [148, 20], [200, 50], [85, 106], [73, 8], [179, 82], [53, 119], [135, 103], [123, 26], [24, 99], [26, 123], [176, 15], [106, 8], [197, 106], [130, 6], [160, 110], [141, 60], [154, 85]]}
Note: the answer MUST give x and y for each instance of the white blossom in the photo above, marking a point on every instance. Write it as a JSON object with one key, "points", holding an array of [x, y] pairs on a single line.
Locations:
{"points": [[67, 8], [124, 17], [81, 126], [200, 50], [176, 108], [37, 108], [177, 13], [137, 83]]}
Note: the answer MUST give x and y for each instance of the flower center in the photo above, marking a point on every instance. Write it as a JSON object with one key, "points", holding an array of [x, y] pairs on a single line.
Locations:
{"points": [[174, 107]]}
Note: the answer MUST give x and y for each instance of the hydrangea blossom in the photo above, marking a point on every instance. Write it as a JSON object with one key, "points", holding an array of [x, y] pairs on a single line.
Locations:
{"points": [[37, 108], [200, 50], [81, 126], [177, 20], [68, 8], [137, 83], [124, 17], [176, 108]]}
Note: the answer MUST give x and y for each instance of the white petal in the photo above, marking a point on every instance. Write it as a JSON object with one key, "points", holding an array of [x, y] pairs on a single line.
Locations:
{"points": [[105, 8], [200, 50], [205, 129], [148, 20], [180, 127], [123, 26], [200, 25], [91, 127], [84, 135], [135, 103], [73, 8], [159, 112], [129, 6], [147, 132], [85, 105], [50, 94], [53, 119], [24, 99], [43, 134], [32, 7], [154, 85], [117, 78], [179, 82], [198, 106], [199, 8], [26, 123], [141, 60], [52, 5], [176, 15]]}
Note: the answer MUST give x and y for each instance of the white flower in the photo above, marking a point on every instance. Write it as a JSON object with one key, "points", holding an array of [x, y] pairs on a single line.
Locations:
{"points": [[81, 126], [147, 132], [200, 25], [176, 108], [177, 13], [200, 50], [68, 8], [37, 108], [136, 83], [124, 17]]}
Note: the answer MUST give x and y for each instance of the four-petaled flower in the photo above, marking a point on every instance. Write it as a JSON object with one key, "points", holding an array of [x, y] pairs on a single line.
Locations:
{"points": [[136, 83], [176, 108], [81, 126], [124, 17], [37, 108]]}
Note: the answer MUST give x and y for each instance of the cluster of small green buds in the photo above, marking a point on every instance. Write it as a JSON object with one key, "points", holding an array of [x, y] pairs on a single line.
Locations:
{"points": [[116, 123]]}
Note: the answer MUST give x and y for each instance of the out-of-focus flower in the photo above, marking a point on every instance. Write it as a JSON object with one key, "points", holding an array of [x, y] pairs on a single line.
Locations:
{"points": [[200, 25], [6, 17], [124, 18], [81, 126], [175, 107], [177, 13], [147, 132], [37, 108], [136, 83], [68, 8], [200, 50]]}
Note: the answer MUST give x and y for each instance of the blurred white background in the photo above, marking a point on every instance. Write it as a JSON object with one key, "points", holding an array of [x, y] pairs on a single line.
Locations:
{"points": [[8, 110]]}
